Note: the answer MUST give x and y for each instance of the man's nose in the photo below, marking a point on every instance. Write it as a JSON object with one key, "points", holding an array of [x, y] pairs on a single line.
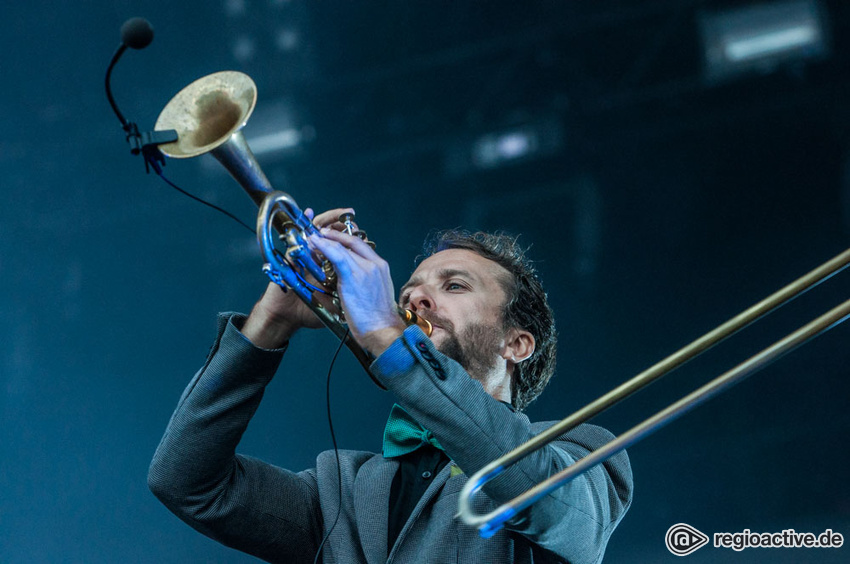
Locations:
{"points": [[420, 299]]}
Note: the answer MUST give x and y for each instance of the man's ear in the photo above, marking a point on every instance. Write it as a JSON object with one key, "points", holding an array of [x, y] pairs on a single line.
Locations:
{"points": [[519, 345]]}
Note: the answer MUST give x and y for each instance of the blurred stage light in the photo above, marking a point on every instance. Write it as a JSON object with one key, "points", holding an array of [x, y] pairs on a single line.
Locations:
{"points": [[277, 141], [244, 49], [493, 150], [762, 37], [279, 127], [516, 144], [286, 39], [235, 8]]}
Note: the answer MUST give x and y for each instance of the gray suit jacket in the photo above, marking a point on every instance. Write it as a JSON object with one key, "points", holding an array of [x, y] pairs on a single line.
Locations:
{"points": [[281, 516]]}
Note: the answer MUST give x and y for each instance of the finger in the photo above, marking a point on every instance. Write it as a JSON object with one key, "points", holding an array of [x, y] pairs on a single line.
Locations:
{"points": [[339, 256], [354, 244], [309, 213], [331, 220], [331, 217]]}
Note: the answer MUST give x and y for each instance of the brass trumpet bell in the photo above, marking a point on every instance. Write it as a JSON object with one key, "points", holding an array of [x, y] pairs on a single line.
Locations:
{"points": [[207, 113]]}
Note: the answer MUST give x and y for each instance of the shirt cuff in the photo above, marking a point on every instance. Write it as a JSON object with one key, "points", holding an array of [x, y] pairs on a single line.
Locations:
{"points": [[233, 322], [412, 348]]}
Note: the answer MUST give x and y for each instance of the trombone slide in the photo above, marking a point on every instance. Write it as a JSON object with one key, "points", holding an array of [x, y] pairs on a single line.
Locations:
{"points": [[491, 522]]}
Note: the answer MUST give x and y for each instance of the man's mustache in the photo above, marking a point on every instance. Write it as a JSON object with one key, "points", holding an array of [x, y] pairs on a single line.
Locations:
{"points": [[438, 320]]}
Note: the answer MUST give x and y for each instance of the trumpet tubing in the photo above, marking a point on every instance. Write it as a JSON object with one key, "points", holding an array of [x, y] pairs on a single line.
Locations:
{"points": [[209, 115]]}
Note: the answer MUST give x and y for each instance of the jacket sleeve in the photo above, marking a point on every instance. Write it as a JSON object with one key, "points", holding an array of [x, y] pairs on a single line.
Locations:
{"points": [[574, 521], [239, 501]]}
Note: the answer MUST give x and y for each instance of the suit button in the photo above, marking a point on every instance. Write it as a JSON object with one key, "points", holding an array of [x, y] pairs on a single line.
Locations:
{"points": [[426, 475]]}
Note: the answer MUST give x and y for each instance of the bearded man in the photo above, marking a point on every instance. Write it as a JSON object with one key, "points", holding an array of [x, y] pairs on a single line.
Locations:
{"points": [[460, 395]]}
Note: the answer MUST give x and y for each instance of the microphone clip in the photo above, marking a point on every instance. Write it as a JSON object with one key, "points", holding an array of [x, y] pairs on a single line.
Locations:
{"points": [[146, 143]]}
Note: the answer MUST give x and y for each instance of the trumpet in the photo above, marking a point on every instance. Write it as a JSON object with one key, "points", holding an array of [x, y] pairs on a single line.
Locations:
{"points": [[208, 116], [489, 523]]}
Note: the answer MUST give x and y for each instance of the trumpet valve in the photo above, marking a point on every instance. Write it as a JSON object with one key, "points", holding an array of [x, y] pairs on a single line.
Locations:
{"points": [[363, 237], [346, 220]]}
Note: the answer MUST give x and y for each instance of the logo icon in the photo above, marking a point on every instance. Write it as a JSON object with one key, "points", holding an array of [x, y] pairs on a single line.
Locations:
{"points": [[682, 539]]}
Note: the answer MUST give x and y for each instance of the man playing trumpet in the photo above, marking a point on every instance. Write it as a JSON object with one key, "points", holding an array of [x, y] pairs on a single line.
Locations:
{"points": [[460, 395]]}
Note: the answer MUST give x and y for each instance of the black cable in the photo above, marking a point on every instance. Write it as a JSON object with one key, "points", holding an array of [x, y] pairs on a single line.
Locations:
{"points": [[301, 277], [158, 170], [333, 440]]}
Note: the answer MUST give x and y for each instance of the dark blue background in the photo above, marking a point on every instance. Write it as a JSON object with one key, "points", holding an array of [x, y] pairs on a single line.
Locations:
{"points": [[669, 206]]}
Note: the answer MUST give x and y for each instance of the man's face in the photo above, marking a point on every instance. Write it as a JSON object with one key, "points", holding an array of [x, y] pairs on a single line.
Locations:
{"points": [[460, 293]]}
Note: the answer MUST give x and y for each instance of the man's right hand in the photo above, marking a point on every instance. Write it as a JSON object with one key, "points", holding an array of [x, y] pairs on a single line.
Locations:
{"points": [[278, 314]]}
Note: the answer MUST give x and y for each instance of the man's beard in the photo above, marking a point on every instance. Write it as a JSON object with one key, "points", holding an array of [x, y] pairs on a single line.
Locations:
{"points": [[476, 347]]}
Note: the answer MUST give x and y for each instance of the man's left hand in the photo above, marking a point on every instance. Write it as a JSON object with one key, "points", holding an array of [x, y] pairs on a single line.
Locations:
{"points": [[365, 289]]}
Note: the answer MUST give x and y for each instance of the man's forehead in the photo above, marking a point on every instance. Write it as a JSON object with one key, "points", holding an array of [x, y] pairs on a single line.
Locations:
{"points": [[458, 262]]}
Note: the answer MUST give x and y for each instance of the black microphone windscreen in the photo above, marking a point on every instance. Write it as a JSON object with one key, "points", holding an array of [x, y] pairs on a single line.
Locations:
{"points": [[137, 33]]}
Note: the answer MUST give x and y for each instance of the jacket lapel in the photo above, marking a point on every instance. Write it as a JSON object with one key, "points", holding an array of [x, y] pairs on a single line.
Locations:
{"points": [[429, 495], [371, 506]]}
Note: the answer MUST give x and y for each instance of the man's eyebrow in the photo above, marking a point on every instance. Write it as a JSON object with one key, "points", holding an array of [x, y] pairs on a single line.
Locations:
{"points": [[452, 272]]}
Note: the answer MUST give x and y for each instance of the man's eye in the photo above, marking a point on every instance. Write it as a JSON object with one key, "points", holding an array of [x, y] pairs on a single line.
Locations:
{"points": [[404, 299], [451, 286]]}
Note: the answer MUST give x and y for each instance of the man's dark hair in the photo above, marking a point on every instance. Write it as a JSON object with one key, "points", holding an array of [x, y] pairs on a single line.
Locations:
{"points": [[526, 306]]}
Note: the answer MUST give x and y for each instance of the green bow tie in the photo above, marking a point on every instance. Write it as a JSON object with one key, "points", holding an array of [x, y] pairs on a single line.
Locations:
{"points": [[403, 434]]}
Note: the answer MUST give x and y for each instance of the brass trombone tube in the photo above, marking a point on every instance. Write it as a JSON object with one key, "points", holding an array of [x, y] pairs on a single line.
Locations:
{"points": [[492, 521]]}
